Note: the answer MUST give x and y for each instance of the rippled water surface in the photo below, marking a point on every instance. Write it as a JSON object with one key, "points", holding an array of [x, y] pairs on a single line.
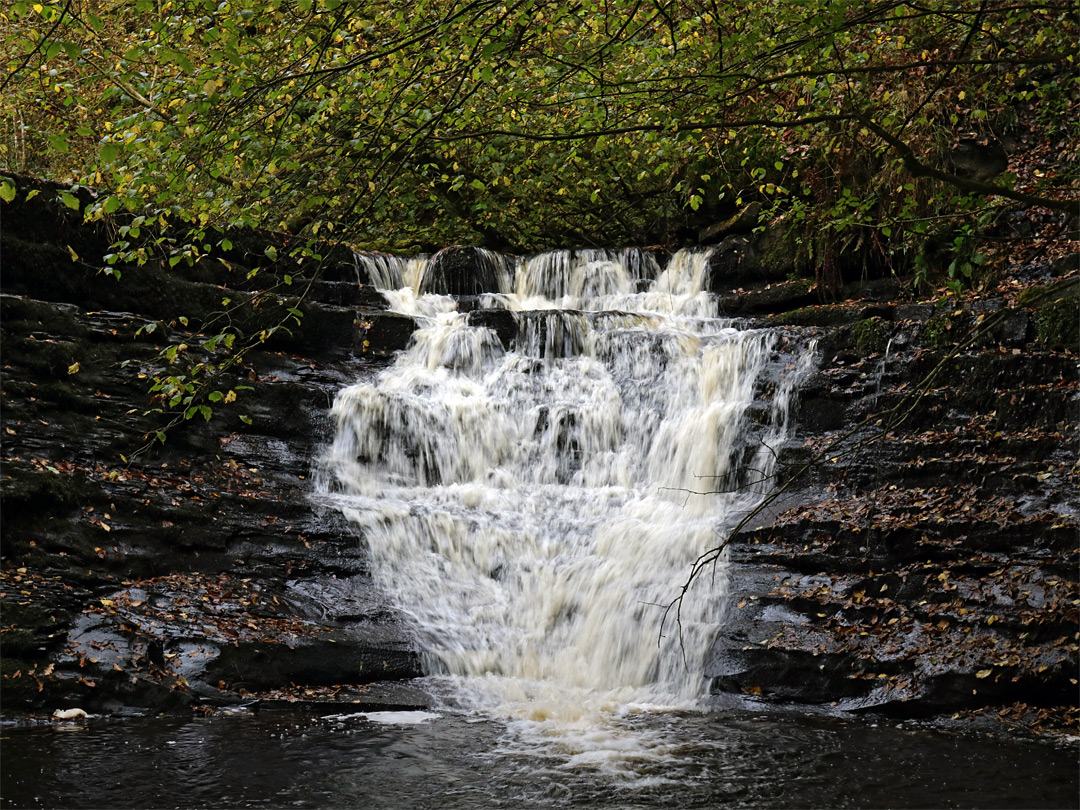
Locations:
{"points": [[717, 760]]}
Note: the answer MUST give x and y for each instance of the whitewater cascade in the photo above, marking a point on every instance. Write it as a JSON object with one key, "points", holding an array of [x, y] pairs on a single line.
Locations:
{"points": [[532, 511]]}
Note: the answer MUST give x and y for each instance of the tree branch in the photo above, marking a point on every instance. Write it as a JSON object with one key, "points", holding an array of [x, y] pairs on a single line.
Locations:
{"points": [[919, 169]]}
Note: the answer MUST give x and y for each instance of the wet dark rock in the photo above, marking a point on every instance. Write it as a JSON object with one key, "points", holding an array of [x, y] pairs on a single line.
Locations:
{"points": [[878, 289], [980, 160], [776, 298], [731, 262], [461, 270], [750, 259], [929, 566], [160, 579], [385, 696], [1065, 264], [502, 321], [331, 658], [740, 222]]}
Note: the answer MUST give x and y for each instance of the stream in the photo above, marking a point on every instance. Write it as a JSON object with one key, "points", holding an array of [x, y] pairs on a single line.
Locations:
{"points": [[727, 759]]}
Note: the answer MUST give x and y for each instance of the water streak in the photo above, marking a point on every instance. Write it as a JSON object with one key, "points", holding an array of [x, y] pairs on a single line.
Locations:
{"points": [[532, 510]]}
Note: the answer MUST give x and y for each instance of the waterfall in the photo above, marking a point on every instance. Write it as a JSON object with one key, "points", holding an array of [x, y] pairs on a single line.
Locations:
{"points": [[531, 510]]}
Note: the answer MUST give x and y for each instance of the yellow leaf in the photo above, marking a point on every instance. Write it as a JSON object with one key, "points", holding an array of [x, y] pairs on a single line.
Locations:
{"points": [[73, 368], [983, 673], [231, 396]]}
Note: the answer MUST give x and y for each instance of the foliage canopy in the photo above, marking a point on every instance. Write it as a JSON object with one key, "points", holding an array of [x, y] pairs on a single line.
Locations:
{"points": [[534, 123]]}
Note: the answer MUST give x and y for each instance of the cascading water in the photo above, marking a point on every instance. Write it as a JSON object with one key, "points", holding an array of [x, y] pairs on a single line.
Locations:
{"points": [[532, 511]]}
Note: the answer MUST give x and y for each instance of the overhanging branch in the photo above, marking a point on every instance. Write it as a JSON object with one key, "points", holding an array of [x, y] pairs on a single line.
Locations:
{"points": [[919, 169]]}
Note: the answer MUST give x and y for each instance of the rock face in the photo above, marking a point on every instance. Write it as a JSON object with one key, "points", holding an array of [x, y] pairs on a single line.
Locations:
{"points": [[922, 563], [462, 271], [927, 562], [200, 570]]}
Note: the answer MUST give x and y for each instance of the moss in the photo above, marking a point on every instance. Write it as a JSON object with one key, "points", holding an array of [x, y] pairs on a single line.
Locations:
{"points": [[938, 331], [871, 335], [38, 493], [827, 315], [777, 251], [1059, 323], [805, 316], [46, 358], [1038, 296]]}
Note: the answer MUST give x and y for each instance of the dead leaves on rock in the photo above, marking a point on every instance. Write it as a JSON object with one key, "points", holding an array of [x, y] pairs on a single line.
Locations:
{"points": [[221, 609]]}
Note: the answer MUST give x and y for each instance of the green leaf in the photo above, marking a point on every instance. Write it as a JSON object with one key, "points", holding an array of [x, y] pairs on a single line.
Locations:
{"points": [[7, 190], [245, 419], [70, 200]]}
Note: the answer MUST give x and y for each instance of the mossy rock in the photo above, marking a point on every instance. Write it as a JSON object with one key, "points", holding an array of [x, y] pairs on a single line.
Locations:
{"points": [[30, 491], [1040, 296], [827, 315], [871, 335], [939, 331], [1058, 324]]}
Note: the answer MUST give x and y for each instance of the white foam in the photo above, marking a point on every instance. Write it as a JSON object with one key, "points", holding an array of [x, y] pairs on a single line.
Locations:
{"points": [[397, 718], [533, 512]]}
